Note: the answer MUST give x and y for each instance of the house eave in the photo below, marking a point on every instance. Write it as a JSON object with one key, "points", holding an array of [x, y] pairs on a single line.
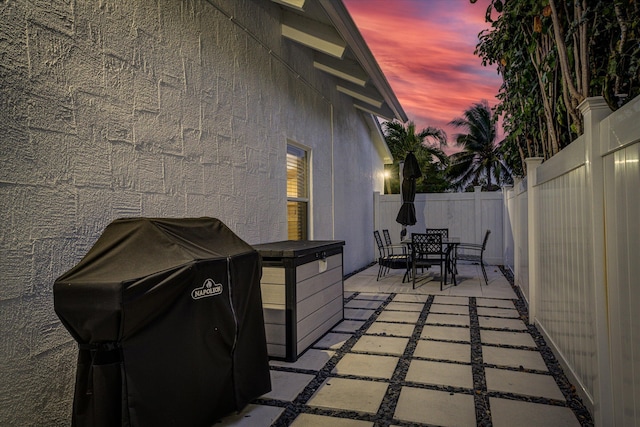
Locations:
{"points": [[342, 21], [377, 136]]}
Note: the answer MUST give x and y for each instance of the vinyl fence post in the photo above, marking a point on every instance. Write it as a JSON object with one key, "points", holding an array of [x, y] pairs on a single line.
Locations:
{"points": [[477, 204], [533, 233], [594, 110], [507, 236]]}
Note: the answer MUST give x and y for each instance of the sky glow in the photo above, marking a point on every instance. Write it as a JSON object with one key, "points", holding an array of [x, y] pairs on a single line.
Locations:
{"points": [[425, 48]]}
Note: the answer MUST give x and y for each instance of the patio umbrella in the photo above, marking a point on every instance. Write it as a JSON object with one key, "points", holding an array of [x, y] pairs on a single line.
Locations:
{"points": [[410, 173]]}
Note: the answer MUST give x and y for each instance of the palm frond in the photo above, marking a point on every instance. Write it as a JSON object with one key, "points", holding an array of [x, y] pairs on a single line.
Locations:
{"points": [[426, 144], [480, 157]]}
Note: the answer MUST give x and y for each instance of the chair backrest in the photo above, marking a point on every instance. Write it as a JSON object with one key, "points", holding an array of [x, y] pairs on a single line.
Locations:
{"points": [[387, 237], [444, 232], [426, 244], [376, 234], [486, 237]]}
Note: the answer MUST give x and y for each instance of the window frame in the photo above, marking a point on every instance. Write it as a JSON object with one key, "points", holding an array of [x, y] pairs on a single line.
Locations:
{"points": [[305, 199]]}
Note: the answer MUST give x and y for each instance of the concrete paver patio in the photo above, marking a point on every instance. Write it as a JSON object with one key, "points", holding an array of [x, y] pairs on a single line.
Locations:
{"points": [[462, 356]]}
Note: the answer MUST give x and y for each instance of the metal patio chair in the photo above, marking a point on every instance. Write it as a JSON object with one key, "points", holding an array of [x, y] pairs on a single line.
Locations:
{"points": [[388, 260], [451, 250], [426, 251], [474, 252], [444, 232], [391, 248]]}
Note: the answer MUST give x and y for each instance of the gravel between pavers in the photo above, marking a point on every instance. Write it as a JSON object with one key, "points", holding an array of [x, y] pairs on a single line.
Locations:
{"points": [[384, 416]]}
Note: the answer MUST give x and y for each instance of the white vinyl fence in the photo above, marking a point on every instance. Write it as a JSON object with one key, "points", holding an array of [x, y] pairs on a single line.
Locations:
{"points": [[466, 215], [575, 223]]}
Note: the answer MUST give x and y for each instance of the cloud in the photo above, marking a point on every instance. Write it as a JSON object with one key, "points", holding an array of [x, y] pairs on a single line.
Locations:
{"points": [[425, 49]]}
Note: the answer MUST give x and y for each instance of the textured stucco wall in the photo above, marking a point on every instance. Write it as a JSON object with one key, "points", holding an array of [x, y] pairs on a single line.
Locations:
{"points": [[354, 177], [118, 108]]}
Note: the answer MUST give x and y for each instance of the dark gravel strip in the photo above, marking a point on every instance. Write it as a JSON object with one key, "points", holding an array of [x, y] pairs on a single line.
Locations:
{"points": [[574, 402], [384, 417], [390, 401], [481, 400]]}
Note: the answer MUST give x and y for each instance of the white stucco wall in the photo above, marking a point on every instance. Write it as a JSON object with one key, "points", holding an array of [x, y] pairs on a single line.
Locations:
{"points": [[117, 108], [353, 191]]}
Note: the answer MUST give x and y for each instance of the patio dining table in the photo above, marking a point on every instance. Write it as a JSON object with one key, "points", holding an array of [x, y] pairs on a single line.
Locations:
{"points": [[449, 246]]}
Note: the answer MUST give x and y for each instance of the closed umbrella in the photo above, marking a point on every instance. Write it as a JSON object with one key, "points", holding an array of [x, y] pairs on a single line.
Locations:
{"points": [[410, 173]]}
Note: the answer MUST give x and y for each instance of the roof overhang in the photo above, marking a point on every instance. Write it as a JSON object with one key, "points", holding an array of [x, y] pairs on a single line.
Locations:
{"points": [[313, 34], [344, 69], [295, 4], [345, 26], [377, 136], [326, 27]]}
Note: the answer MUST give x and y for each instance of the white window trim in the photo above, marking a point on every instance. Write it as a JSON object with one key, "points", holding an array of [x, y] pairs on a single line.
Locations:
{"points": [[309, 198]]}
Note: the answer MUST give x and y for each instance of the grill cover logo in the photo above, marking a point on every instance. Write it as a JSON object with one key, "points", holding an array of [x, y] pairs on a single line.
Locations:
{"points": [[208, 289]]}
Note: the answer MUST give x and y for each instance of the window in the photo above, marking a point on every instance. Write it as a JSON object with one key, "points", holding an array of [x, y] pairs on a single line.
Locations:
{"points": [[297, 192]]}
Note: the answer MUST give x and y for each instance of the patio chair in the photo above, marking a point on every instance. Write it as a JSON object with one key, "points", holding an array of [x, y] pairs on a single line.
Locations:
{"points": [[391, 248], [474, 252], [451, 250], [387, 260], [427, 250], [444, 232]]}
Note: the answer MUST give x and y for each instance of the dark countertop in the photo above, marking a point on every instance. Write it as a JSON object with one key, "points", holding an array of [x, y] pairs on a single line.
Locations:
{"points": [[295, 248]]}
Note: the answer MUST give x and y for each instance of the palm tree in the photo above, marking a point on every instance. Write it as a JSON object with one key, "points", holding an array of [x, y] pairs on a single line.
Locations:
{"points": [[481, 158], [425, 145]]}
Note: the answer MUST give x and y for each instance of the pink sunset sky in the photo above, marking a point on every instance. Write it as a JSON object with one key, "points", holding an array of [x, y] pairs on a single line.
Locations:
{"points": [[425, 48]]}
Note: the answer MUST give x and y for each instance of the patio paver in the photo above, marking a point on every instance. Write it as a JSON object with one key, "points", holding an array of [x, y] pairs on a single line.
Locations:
{"points": [[526, 359], [529, 414], [435, 407], [312, 360], [349, 394], [451, 300], [507, 338], [524, 383], [501, 323], [366, 365], [498, 312], [440, 373], [449, 309], [253, 416], [405, 306], [362, 303], [448, 319], [357, 314], [492, 302], [332, 340], [445, 333], [312, 420], [443, 351], [349, 326], [394, 329], [287, 385], [411, 298], [399, 316], [381, 345]]}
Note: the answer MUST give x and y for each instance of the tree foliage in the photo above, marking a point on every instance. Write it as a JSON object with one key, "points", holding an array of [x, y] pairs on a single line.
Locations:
{"points": [[425, 144], [552, 54], [481, 161]]}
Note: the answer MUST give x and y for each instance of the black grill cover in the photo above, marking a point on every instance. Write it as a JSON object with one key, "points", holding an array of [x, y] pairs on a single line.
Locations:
{"points": [[168, 318]]}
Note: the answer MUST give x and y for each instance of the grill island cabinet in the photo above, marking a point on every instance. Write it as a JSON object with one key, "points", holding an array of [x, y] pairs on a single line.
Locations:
{"points": [[168, 319], [302, 293]]}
